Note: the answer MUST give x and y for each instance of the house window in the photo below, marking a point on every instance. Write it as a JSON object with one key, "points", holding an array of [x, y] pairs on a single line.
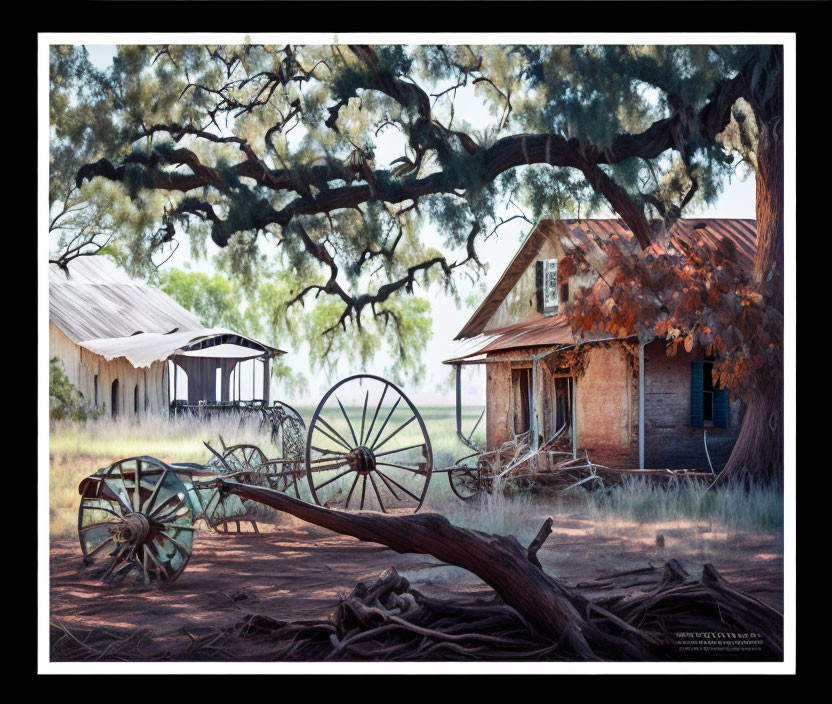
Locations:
{"points": [[521, 399], [547, 286], [709, 404]]}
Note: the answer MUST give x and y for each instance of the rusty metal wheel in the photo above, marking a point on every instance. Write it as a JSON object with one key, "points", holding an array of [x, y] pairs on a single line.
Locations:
{"points": [[466, 481], [381, 444], [247, 459], [136, 515]]}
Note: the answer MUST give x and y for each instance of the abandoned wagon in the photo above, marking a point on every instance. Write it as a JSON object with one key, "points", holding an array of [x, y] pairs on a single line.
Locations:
{"points": [[591, 394], [131, 350]]}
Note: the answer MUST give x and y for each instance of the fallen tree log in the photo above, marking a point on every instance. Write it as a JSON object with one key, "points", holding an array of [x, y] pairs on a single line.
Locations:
{"points": [[641, 628]]}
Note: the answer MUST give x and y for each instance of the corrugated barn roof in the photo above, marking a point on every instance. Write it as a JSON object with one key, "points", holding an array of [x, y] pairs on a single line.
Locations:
{"points": [[101, 309], [97, 301]]}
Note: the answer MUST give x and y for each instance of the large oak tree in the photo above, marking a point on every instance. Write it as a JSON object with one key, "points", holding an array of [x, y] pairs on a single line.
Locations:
{"points": [[251, 145]]}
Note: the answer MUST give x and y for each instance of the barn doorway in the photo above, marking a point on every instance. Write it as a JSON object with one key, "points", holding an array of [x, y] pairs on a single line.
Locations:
{"points": [[114, 398], [521, 399]]}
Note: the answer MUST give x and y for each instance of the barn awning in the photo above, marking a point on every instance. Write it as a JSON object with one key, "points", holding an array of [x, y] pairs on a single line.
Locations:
{"points": [[145, 348]]}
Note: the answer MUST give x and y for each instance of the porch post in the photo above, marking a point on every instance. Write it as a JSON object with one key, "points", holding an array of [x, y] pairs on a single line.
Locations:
{"points": [[641, 404], [458, 368], [266, 379]]}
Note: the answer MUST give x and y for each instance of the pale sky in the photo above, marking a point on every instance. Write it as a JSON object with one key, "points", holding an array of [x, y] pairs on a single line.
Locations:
{"points": [[737, 201]]}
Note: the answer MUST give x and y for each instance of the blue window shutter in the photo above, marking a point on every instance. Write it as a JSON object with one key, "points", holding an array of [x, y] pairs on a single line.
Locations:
{"points": [[696, 383], [722, 412]]}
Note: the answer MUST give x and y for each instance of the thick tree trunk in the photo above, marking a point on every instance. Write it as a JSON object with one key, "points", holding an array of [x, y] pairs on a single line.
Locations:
{"points": [[639, 626], [500, 561], [758, 453]]}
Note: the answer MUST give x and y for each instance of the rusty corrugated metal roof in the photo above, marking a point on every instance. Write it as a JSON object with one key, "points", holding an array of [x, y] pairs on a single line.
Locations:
{"points": [[741, 232], [542, 332]]}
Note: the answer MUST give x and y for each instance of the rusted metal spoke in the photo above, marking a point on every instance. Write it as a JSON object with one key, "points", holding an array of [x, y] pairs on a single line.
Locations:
{"points": [[401, 466], [386, 420], [87, 507], [144, 565], [160, 570], [382, 474], [97, 525], [378, 496], [137, 483], [401, 449], [389, 488], [329, 481], [395, 432], [375, 415], [340, 442], [347, 418], [364, 415], [352, 489], [178, 526], [114, 561], [325, 452], [173, 514], [363, 492], [176, 543], [100, 546], [148, 504], [162, 505]]}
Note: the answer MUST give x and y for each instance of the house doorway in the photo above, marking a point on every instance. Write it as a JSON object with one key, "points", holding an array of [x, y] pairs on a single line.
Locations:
{"points": [[114, 398], [521, 399], [562, 406]]}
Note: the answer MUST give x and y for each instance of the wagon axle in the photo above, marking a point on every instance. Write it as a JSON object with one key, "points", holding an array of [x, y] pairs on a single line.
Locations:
{"points": [[135, 529], [362, 460]]}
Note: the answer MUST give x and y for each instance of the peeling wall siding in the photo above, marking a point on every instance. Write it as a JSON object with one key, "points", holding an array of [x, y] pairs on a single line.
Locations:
{"points": [[520, 303], [669, 438], [607, 407], [498, 416], [82, 366]]}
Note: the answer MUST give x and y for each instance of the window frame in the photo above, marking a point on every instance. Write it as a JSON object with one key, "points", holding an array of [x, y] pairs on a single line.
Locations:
{"points": [[544, 284]]}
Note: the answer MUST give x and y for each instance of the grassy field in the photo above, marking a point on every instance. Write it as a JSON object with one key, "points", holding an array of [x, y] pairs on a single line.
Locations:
{"points": [[78, 450]]}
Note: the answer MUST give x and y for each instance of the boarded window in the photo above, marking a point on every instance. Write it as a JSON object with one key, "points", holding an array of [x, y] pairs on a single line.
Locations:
{"points": [[547, 285], [709, 404]]}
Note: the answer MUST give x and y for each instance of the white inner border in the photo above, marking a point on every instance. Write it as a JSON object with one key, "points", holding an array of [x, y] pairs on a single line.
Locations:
{"points": [[788, 40]]}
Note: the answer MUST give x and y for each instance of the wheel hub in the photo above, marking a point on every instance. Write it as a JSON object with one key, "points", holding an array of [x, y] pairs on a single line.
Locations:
{"points": [[362, 460], [134, 529]]}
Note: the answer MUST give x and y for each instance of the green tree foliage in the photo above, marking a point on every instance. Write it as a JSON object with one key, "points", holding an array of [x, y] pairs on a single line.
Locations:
{"points": [[269, 152], [65, 401]]}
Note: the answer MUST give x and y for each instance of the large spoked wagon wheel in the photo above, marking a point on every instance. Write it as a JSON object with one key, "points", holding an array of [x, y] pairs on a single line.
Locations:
{"points": [[374, 455], [136, 515]]}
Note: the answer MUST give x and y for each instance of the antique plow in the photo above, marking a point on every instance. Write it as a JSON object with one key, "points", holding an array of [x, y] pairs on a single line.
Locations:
{"points": [[139, 514]]}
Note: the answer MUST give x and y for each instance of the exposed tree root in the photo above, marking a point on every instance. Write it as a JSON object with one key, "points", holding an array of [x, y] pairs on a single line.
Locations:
{"points": [[388, 620], [671, 615]]}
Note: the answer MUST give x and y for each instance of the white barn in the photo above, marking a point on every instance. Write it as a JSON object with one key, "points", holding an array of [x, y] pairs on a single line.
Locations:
{"points": [[124, 344]]}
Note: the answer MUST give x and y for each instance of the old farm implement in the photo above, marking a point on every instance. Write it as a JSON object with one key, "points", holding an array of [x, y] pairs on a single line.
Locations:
{"points": [[140, 514]]}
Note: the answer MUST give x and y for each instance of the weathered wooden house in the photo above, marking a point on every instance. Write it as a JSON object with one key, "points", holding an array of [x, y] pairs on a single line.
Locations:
{"points": [[627, 404], [125, 344]]}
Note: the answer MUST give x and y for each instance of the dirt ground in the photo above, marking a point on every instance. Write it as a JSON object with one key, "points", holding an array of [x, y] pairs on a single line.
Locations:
{"points": [[294, 571]]}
